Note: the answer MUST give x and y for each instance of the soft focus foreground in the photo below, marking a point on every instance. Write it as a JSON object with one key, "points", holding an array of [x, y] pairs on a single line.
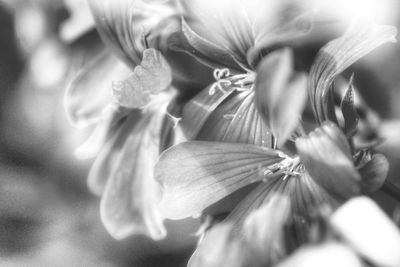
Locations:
{"points": [[199, 133]]}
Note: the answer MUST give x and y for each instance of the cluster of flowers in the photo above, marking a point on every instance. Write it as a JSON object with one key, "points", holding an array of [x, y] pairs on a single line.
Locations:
{"points": [[265, 152]]}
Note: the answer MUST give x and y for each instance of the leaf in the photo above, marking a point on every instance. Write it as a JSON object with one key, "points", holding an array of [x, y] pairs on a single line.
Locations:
{"points": [[196, 112], [326, 156], [356, 223], [130, 200], [196, 174], [152, 76], [237, 120], [280, 94], [188, 41], [90, 90], [349, 111], [361, 38], [374, 173]]}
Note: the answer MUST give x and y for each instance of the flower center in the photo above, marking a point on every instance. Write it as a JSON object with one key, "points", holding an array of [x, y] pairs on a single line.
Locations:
{"points": [[224, 78], [286, 168]]}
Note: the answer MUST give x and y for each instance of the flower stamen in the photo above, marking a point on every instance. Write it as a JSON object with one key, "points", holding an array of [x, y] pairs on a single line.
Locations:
{"points": [[224, 78]]}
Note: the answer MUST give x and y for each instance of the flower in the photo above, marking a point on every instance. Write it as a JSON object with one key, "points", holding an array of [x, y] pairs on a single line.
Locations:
{"points": [[243, 32], [125, 93], [320, 170]]}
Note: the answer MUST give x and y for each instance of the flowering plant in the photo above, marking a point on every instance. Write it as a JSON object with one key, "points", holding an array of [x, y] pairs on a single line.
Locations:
{"points": [[267, 147]]}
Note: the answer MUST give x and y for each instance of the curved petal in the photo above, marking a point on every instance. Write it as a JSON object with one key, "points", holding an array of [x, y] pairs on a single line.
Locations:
{"points": [[196, 112], [229, 22], [305, 196], [130, 201], [326, 155], [152, 76], [188, 41], [328, 255], [110, 117], [107, 159], [245, 29], [237, 120], [91, 90], [360, 39], [281, 94], [196, 174], [221, 248], [266, 235], [129, 26], [257, 244], [278, 23]]}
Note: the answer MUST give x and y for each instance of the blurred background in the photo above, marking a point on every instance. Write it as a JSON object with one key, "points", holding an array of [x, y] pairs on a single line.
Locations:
{"points": [[47, 215]]}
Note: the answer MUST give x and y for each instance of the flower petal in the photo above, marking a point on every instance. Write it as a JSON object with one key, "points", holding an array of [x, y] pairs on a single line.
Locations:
{"points": [[276, 24], [90, 91], [210, 54], [129, 26], [229, 21], [264, 234], [327, 255], [280, 94], [305, 196], [130, 201], [237, 120], [152, 76], [220, 248], [111, 115], [360, 39], [368, 230], [196, 174], [196, 112], [256, 244], [107, 159], [374, 173], [327, 158]]}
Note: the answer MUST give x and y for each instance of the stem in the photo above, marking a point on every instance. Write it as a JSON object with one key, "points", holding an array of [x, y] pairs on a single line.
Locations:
{"points": [[392, 190]]}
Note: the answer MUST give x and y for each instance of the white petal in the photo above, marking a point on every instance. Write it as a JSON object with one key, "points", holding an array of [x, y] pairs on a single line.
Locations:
{"points": [[197, 174], [91, 90], [366, 228], [327, 255]]}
